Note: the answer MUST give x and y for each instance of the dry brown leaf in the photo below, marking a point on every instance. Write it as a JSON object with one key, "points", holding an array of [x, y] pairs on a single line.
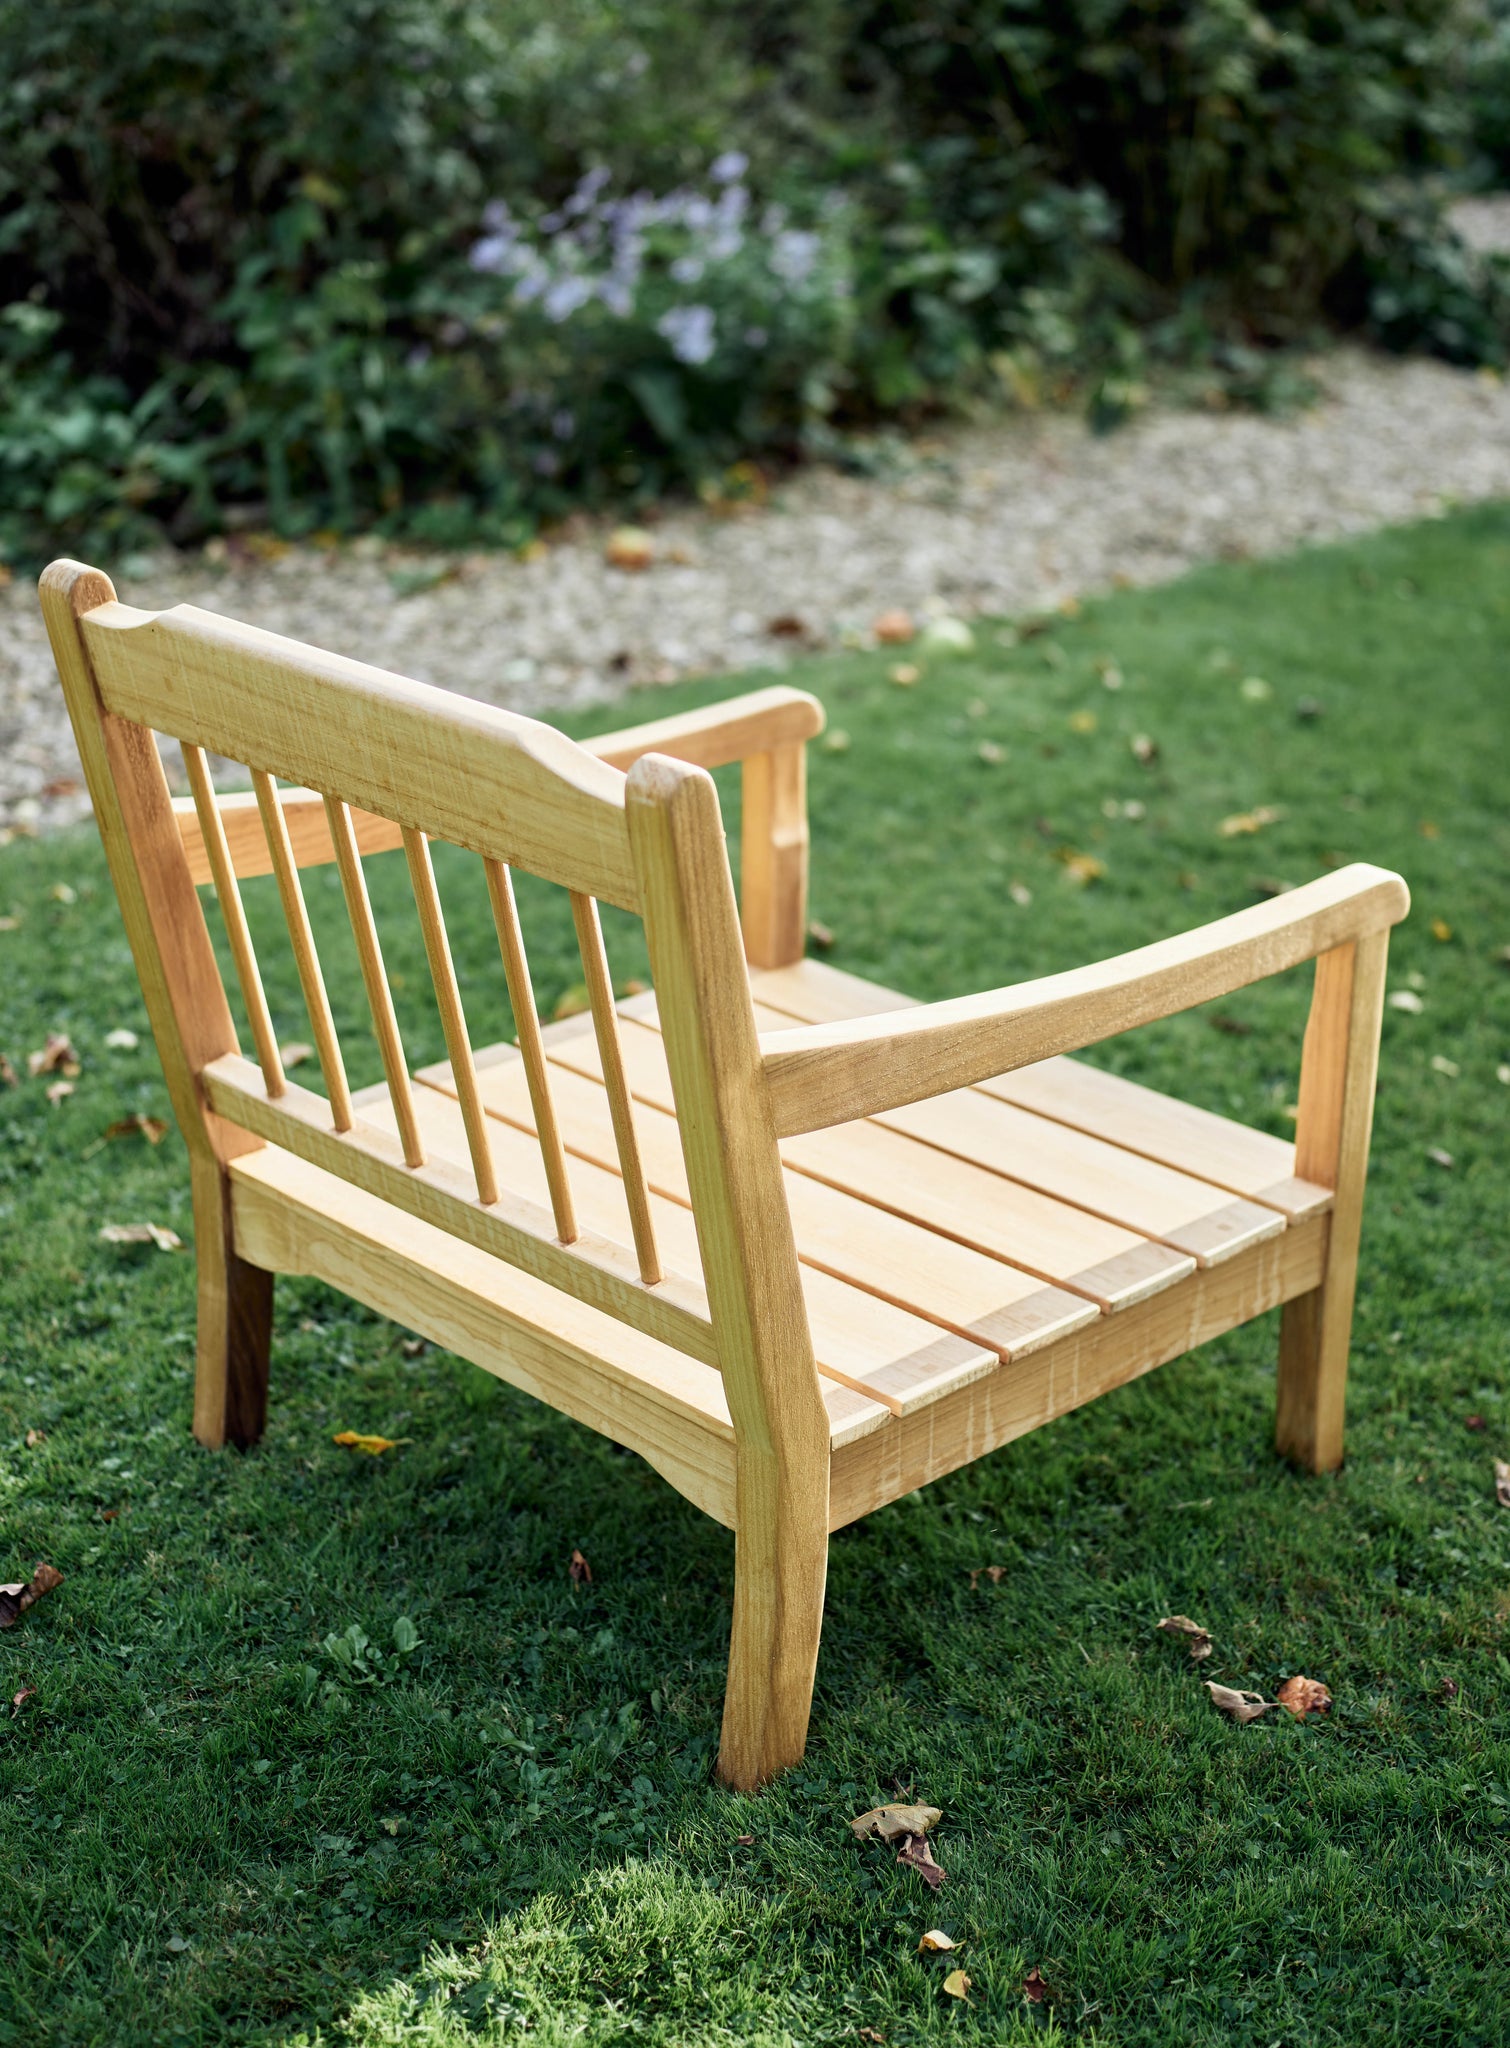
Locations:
{"points": [[1439, 1157], [35, 1437], [15, 1599], [1440, 1064], [1242, 1706], [63, 892], [59, 1091], [1474, 1422], [787, 626], [1034, 1990], [991, 752], [957, 1984], [630, 548], [1502, 1482], [1182, 1625], [994, 1572], [152, 1128], [374, 1446], [894, 628], [917, 1855], [871, 2034], [934, 1942], [122, 1040], [579, 1571], [893, 1823], [142, 1233], [1242, 822], [1441, 930], [1302, 1696], [9, 1078], [1083, 868], [1144, 749], [295, 1053], [905, 674], [745, 1841], [19, 1699], [819, 935], [1020, 894], [57, 1056]]}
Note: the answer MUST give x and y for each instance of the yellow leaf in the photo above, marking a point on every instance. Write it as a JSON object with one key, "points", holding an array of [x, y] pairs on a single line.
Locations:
{"points": [[374, 1446], [629, 547], [1242, 822], [1441, 930], [957, 1984], [892, 1823], [1082, 721], [934, 1942]]}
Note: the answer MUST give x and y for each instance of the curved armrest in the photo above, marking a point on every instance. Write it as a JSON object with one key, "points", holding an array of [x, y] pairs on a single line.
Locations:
{"points": [[716, 733], [825, 1074]]}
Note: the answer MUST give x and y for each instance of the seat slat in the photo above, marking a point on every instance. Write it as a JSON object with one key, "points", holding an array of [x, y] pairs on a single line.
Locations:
{"points": [[1070, 1091], [853, 1346], [913, 1269], [1057, 1244]]}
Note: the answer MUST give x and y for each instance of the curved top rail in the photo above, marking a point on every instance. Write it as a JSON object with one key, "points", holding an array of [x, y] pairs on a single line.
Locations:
{"points": [[506, 786]]}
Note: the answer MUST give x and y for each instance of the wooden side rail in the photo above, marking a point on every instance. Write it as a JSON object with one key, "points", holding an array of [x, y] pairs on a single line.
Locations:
{"points": [[304, 819], [824, 1074]]}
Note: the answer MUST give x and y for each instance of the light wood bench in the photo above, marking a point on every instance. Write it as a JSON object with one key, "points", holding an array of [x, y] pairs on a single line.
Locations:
{"points": [[799, 1242]]}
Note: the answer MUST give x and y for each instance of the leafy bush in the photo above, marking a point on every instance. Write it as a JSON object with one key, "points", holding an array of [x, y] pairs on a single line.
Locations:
{"points": [[454, 266]]}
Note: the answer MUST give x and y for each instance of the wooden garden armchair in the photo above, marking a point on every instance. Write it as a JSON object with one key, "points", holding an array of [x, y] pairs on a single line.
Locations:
{"points": [[801, 1244]]}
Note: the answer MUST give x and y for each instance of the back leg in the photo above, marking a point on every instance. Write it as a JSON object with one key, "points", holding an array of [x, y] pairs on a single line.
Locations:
{"points": [[235, 1326]]}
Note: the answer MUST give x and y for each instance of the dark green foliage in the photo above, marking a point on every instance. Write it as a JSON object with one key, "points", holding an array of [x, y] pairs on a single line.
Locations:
{"points": [[234, 241], [217, 1827]]}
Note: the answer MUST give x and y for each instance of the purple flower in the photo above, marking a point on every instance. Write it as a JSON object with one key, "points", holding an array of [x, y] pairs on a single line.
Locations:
{"points": [[565, 296], [690, 331], [687, 269], [731, 165], [794, 252]]}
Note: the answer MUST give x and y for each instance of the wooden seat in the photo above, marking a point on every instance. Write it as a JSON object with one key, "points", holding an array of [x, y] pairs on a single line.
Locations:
{"points": [[801, 1243]]}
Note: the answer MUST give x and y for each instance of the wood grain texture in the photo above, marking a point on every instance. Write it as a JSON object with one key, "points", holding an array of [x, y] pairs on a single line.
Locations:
{"points": [[453, 1020], [235, 1312], [831, 1073], [306, 955], [915, 1449], [749, 1262], [294, 1218], [505, 786], [599, 1273], [309, 833], [716, 733], [1339, 1068], [605, 1026], [773, 859], [175, 962], [233, 914], [516, 970], [374, 976]]}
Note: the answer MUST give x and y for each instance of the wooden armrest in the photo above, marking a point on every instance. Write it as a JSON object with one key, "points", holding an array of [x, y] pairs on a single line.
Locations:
{"points": [[825, 1074], [717, 733], [308, 831]]}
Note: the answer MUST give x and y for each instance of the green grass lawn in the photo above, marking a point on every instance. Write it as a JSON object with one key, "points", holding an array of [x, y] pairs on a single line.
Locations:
{"points": [[214, 1829]]}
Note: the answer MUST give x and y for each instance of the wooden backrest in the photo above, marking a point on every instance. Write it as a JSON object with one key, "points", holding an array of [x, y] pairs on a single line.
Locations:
{"points": [[377, 760]]}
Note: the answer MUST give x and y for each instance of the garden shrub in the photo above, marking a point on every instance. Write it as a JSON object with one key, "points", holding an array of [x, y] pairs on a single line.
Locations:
{"points": [[451, 267]]}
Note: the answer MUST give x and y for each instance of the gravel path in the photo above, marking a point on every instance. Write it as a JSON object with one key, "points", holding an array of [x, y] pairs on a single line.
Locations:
{"points": [[997, 518]]}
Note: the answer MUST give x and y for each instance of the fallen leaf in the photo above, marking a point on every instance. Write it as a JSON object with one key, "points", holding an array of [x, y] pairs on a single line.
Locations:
{"points": [[1020, 894], [1233, 1026], [629, 548], [635, 987], [1438, 1157], [957, 1984], [410, 1346], [1034, 1990], [1302, 1696], [787, 626], [1449, 1688], [1182, 1625], [1502, 1482], [991, 753], [1428, 830], [9, 1078], [122, 1040], [836, 743], [1502, 1073], [1441, 930], [917, 1855], [177, 1944], [946, 636], [745, 1841], [374, 1446], [19, 1699], [295, 1054], [905, 674], [1143, 748], [1441, 1065], [1082, 721], [1474, 1422], [871, 2034], [58, 1091], [57, 1056], [1309, 709], [573, 1002], [819, 935], [894, 628], [8, 924], [994, 1572], [142, 1233], [35, 1437], [1256, 689], [893, 1823], [63, 892], [934, 1942], [152, 1128], [15, 1599], [1407, 1000], [579, 1571], [1242, 822], [1242, 1706], [1082, 868]]}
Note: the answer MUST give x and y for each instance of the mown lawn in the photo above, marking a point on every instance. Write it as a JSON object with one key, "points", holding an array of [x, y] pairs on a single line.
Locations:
{"points": [[215, 1829]]}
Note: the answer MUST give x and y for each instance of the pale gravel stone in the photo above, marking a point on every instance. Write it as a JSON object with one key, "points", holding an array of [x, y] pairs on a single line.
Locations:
{"points": [[995, 518]]}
